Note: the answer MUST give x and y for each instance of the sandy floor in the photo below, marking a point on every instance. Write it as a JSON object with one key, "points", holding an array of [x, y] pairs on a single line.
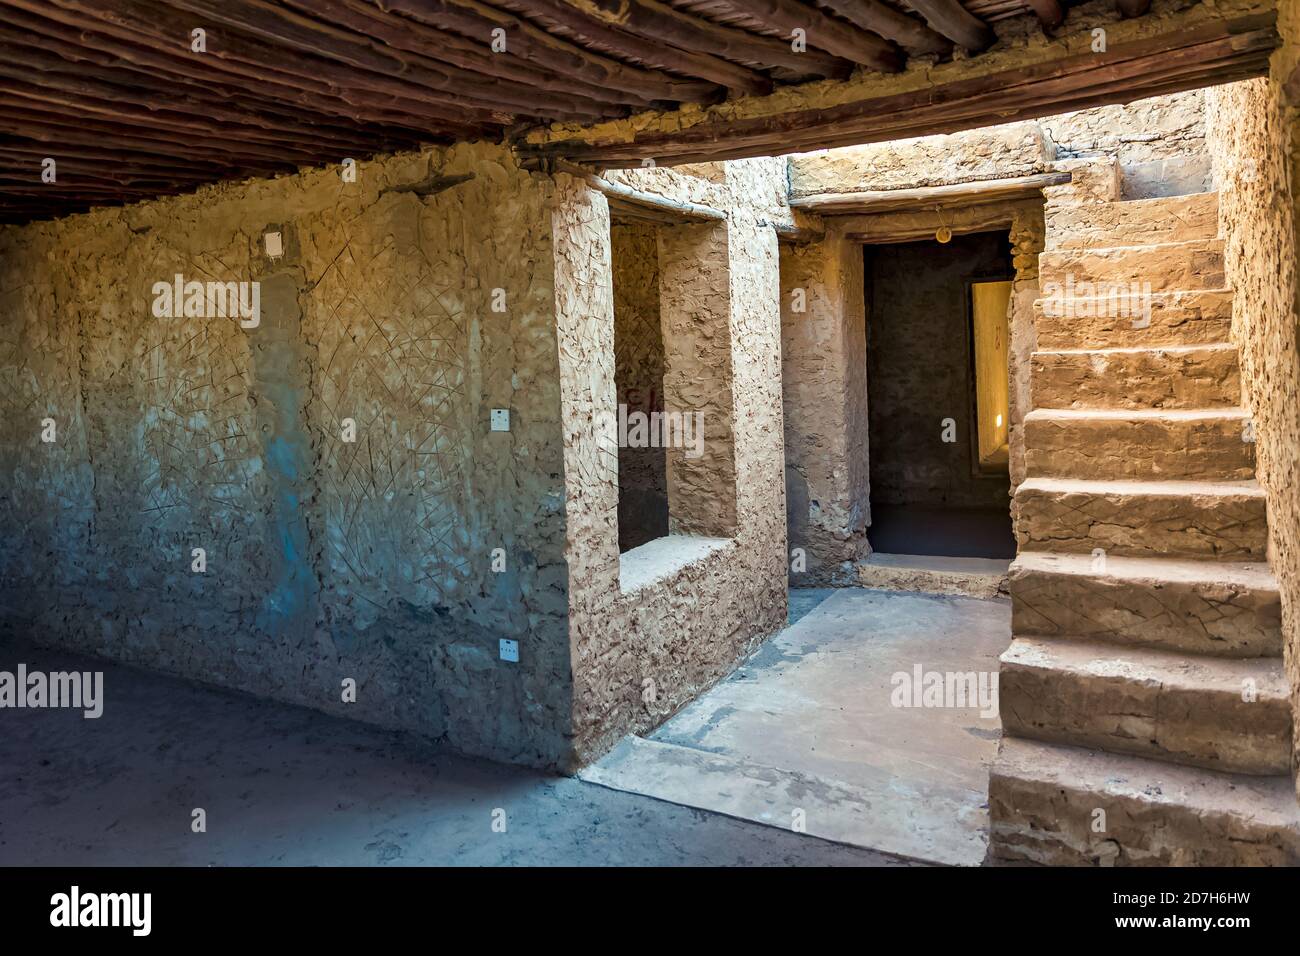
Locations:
{"points": [[283, 785]]}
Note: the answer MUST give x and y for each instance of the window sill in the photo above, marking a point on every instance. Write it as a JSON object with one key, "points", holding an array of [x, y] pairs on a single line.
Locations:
{"points": [[658, 560]]}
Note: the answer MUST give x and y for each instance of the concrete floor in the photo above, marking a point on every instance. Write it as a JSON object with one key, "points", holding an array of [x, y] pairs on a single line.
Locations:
{"points": [[287, 786], [806, 730]]}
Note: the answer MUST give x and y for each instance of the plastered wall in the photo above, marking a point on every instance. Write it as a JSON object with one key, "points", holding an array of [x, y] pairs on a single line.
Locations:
{"points": [[824, 372], [326, 559], [1255, 144], [360, 520], [653, 628], [1159, 143]]}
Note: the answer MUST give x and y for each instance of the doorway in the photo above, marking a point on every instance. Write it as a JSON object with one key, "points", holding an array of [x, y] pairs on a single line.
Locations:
{"points": [[937, 385]]}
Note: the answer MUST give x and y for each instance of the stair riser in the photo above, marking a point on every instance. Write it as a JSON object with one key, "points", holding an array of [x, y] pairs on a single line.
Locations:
{"points": [[1222, 620], [1205, 378], [1207, 449], [1038, 821], [1201, 727], [1192, 318], [1229, 528], [1176, 219], [1197, 265]]}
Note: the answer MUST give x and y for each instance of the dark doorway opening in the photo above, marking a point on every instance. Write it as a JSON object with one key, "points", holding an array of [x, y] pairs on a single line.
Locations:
{"points": [[939, 481]]}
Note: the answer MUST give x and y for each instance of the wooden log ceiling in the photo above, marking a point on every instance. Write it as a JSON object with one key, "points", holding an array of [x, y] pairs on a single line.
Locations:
{"points": [[119, 94]]}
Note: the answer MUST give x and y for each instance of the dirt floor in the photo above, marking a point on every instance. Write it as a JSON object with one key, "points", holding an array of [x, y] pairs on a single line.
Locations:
{"points": [[286, 786]]}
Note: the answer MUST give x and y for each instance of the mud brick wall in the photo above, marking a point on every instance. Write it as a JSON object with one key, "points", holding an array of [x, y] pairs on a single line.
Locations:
{"points": [[641, 652], [824, 377], [1159, 143], [326, 559], [1255, 143]]}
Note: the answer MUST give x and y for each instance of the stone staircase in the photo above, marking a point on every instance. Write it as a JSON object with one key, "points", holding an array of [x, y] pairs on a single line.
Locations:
{"points": [[1145, 711]]}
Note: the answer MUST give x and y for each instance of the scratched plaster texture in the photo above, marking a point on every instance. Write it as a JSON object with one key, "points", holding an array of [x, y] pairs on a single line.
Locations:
{"points": [[360, 519], [640, 654], [327, 558]]}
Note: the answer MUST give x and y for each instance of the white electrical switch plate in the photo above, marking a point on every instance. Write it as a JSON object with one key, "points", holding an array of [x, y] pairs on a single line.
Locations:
{"points": [[274, 245], [510, 651], [501, 419]]}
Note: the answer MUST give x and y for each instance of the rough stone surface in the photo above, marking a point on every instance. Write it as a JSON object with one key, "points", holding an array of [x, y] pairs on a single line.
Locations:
{"points": [[1177, 318], [1229, 715], [995, 152], [1158, 145], [1194, 264], [1142, 222], [824, 379], [326, 559], [1254, 141], [963, 577], [1209, 444], [1044, 798], [1225, 520], [1221, 609], [640, 655], [414, 315], [1176, 377]]}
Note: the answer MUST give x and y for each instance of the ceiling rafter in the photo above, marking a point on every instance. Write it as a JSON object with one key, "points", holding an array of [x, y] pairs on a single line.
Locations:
{"points": [[112, 91]]}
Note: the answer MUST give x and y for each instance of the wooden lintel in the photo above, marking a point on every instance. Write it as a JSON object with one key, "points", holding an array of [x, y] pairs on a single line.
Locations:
{"points": [[928, 197], [1180, 56]]}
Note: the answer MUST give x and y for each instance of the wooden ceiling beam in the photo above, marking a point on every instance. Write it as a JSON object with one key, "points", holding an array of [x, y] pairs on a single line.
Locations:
{"points": [[116, 109], [89, 45], [909, 33], [287, 29], [364, 19], [928, 197], [375, 64], [161, 28], [665, 24], [689, 61], [956, 23], [1208, 53], [476, 20], [823, 32], [67, 133], [91, 158], [19, 63], [268, 121]]}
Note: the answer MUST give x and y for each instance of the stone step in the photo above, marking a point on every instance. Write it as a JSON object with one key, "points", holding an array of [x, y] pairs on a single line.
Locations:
{"points": [[1163, 318], [1223, 520], [1196, 376], [965, 577], [1179, 444], [1217, 608], [1217, 713], [1044, 800], [1164, 267], [1139, 222]]}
